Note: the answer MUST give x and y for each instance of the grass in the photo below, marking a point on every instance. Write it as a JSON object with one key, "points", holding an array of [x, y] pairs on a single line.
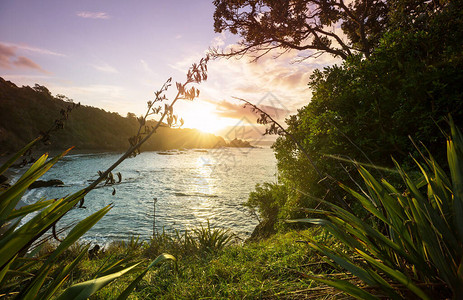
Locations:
{"points": [[275, 268]]}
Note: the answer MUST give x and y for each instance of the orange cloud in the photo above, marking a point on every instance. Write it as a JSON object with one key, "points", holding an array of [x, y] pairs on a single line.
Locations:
{"points": [[237, 110], [6, 52]]}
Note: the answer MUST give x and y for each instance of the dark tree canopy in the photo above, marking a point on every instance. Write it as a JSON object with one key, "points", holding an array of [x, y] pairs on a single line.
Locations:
{"points": [[338, 27], [366, 109]]}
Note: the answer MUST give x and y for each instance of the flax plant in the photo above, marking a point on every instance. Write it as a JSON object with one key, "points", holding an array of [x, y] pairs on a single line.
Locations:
{"points": [[412, 245], [23, 274]]}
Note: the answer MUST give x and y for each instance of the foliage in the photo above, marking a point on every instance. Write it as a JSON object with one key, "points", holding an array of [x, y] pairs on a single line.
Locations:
{"points": [[268, 269], [267, 202], [415, 246], [366, 109], [26, 276], [21, 272], [302, 25], [195, 242], [212, 240]]}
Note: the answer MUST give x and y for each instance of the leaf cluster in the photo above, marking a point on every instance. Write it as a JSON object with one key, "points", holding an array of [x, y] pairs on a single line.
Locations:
{"points": [[365, 110], [414, 246]]}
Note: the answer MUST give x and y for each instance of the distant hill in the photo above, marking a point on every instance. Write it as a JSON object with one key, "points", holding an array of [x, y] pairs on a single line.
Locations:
{"points": [[26, 111]]}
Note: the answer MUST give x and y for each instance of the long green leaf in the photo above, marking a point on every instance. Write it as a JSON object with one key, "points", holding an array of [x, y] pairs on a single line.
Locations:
{"points": [[25, 210], [38, 282], [80, 229], [15, 157], [396, 275], [346, 287], [10, 197], [5, 269], [85, 289], [125, 294], [366, 203], [77, 231], [59, 280], [15, 241], [456, 171], [344, 263], [35, 166]]}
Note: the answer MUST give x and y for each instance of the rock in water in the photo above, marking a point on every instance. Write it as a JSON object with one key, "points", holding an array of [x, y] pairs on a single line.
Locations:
{"points": [[45, 183], [4, 182]]}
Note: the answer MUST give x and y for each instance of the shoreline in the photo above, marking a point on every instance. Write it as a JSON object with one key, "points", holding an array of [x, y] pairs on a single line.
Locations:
{"points": [[54, 152]]}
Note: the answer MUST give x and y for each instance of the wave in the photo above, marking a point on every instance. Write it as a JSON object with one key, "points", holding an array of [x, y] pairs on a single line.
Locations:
{"points": [[195, 195]]}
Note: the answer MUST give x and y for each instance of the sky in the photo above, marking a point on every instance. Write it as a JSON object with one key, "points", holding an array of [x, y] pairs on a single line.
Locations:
{"points": [[115, 54]]}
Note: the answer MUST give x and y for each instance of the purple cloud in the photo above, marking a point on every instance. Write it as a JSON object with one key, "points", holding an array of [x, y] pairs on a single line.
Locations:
{"points": [[92, 15]]}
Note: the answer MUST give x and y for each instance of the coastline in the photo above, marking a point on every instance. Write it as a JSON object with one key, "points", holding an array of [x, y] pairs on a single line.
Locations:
{"points": [[74, 151]]}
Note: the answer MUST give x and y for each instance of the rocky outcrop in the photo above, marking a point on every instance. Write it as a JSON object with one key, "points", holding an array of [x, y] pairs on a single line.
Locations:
{"points": [[45, 183]]}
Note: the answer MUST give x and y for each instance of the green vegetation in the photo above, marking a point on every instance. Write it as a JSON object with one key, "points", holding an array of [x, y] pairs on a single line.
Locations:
{"points": [[23, 274], [413, 240], [26, 112], [409, 246], [274, 268], [396, 231], [402, 236], [365, 109]]}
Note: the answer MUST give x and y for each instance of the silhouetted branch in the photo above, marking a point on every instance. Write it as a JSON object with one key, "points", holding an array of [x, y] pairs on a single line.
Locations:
{"points": [[196, 74], [276, 128]]}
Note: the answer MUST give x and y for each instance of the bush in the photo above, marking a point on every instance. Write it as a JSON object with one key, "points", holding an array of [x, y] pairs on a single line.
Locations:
{"points": [[415, 246], [365, 109], [266, 203], [199, 241]]}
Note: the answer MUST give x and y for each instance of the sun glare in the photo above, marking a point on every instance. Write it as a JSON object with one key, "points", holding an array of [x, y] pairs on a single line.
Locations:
{"points": [[204, 118]]}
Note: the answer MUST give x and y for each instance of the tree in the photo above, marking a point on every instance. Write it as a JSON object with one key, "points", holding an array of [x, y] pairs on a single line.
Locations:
{"points": [[367, 109], [317, 25], [131, 115], [42, 89]]}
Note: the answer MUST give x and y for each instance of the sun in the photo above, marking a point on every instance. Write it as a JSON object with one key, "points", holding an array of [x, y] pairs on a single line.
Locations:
{"points": [[203, 116]]}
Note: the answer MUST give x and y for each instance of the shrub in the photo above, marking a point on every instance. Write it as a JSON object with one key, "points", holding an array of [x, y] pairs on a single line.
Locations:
{"points": [[415, 246], [198, 241]]}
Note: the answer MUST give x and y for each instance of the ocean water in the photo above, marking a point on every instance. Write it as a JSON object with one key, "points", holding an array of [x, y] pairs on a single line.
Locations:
{"points": [[191, 188]]}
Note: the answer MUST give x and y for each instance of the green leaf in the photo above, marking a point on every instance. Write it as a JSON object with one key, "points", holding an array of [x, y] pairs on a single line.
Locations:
{"points": [[346, 287], [85, 289], [125, 294], [25, 210], [15, 157], [60, 278], [16, 240], [77, 231], [456, 171], [394, 274], [39, 279], [10, 197], [6, 268], [80, 229]]}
